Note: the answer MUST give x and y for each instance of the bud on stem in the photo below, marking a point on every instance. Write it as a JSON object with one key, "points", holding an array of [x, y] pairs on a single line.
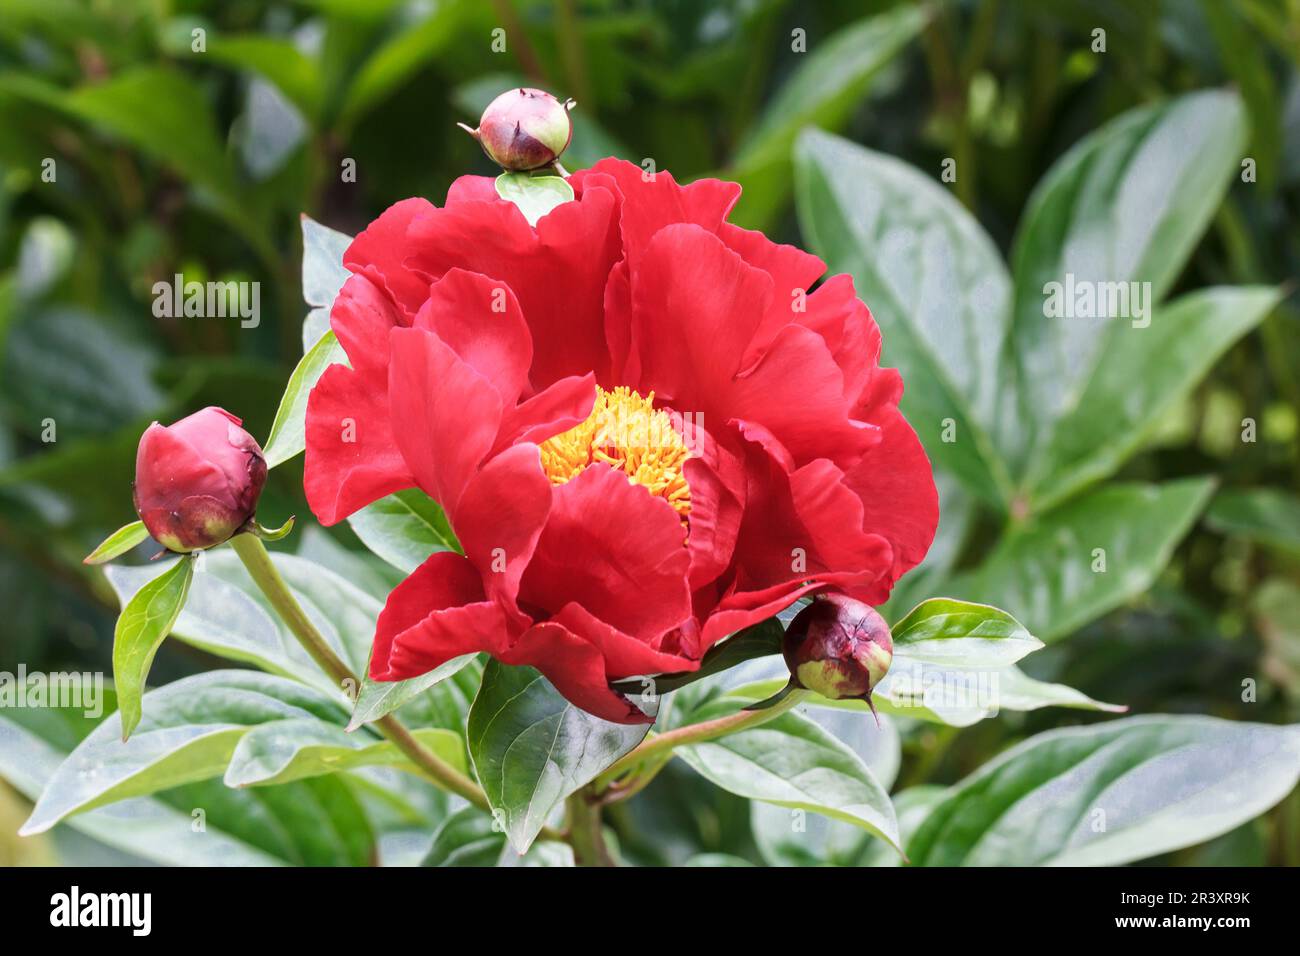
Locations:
{"points": [[839, 648]]}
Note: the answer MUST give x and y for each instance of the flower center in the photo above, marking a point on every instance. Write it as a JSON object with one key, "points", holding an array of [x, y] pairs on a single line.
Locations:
{"points": [[625, 431]]}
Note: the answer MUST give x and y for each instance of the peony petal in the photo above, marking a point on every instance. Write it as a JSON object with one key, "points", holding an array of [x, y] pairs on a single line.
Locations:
{"points": [[437, 613], [614, 548], [482, 322], [473, 189], [352, 456], [576, 668], [895, 483], [384, 245], [445, 415], [696, 307], [557, 271], [361, 318], [624, 655], [556, 409], [501, 516]]}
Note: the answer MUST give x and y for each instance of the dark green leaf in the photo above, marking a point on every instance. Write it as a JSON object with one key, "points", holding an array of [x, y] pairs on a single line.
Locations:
{"points": [[532, 748], [1111, 793], [404, 529]]}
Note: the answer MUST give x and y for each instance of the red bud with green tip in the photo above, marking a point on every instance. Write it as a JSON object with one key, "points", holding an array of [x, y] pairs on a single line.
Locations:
{"points": [[838, 647], [524, 129], [197, 482]]}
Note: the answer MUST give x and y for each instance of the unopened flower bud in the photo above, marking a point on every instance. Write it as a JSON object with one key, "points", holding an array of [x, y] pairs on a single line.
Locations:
{"points": [[838, 647], [524, 129], [197, 481]]}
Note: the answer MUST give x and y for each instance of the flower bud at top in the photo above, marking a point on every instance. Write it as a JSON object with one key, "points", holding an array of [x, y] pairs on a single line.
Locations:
{"points": [[197, 481], [524, 129], [838, 647]]}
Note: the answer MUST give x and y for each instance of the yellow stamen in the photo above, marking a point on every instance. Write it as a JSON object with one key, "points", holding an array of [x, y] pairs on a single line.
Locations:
{"points": [[625, 431]]}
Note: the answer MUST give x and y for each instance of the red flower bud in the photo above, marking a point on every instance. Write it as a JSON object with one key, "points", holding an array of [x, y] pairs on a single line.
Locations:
{"points": [[197, 481], [524, 129], [838, 647]]}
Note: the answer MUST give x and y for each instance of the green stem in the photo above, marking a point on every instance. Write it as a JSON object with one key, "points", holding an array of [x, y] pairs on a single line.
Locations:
{"points": [[664, 744], [263, 572], [585, 829]]}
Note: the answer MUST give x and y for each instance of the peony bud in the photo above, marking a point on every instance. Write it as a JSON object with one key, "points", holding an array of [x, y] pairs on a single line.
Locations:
{"points": [[838, 647], [524, 129], [197, 481]]}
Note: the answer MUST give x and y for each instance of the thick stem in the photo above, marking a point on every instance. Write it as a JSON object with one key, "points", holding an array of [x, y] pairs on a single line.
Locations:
{"points": [[263, 572], [586, 829], [664, 744]]}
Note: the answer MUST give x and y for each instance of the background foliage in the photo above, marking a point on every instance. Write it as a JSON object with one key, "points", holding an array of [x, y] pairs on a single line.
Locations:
{"points": [[172, 161]]}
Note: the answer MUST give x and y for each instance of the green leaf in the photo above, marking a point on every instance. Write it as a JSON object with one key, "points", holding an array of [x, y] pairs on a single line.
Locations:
{"points": [[1043, 570], [956, 696], [380, 698], [404, 529], [790, 761], [1268, 516], [227, 615], [118, 543], [278, 60], [287, 437], [323, 275], [188, 733], [466, 838], [830, 81], [1143, 373], [408, 50], [534, 195], [954, 633], [141, 627], [285, 750], [1111, 793], [760, 640], [823, 842], [532, 748], [936, 284], [145, 827], [1127, 203]]}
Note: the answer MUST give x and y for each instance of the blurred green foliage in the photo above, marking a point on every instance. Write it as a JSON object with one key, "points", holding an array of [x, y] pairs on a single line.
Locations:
{"points": [[144, 138]]}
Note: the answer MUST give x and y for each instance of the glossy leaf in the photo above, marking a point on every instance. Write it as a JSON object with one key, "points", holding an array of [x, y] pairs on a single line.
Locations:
{"points": [[404, 529], [532, 748], [1126, 204], [287, 437], [144, 623], [1144, 372], [792, 762], [1043, 571], [1111, 793], [284, 750], [1266, 515], [831, 79], [323, 275], [936, 285], [954, 633], [118, 543], [227, 615], [189, 731], [534, 195], [379, 698]]}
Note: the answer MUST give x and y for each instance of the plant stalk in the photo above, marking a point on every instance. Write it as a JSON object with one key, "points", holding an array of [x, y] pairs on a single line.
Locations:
{"points": [[585, 829], [263, 572], [663, 744]]}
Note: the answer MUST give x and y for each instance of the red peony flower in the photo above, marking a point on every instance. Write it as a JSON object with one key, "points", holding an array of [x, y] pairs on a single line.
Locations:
{"points": [[644, 433]]}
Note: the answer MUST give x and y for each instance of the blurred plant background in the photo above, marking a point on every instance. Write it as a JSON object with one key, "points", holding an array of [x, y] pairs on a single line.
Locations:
{"points": [[129, 155]]}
